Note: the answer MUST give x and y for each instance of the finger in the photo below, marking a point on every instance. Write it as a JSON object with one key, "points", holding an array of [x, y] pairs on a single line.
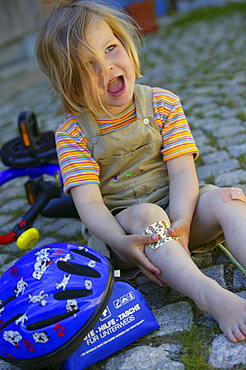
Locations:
{"points": [[152, 277], [144, 261], [148, 239], [172, 232]]}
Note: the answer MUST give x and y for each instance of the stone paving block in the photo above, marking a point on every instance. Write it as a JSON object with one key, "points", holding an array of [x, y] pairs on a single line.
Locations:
{"points": [[6, 266], [217, 156], [207, 320], [225, 354], [239, 279], [3, 257], [233, 127], [65, 227], [147, 358], [5, 219], [45, 241], [216, 169], [205, 149], [6, 366], [15, 204], [200, 138], [176, 317], [236, 176], [154, 295], [216, 272], [237, 150], [71, 228]]}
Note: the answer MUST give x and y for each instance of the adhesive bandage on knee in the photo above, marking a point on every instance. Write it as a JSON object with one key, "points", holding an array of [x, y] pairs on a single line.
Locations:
{"points": [[230, 194], [160, 228]]}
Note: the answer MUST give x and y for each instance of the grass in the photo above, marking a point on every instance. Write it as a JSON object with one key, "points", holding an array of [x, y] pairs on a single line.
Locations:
{"points": [[200, 114], [242, 161], [200, 161], [241, 115], [210, 179], [193, 344], [212, 139], [208, 13]]}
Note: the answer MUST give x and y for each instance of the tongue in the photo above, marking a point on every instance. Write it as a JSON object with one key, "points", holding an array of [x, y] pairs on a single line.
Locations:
{"points": [[116, 85]]}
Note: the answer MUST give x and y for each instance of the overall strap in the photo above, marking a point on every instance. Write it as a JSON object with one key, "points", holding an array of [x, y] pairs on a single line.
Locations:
{"points": [[89, 125], [143, 101], [144, 108]]}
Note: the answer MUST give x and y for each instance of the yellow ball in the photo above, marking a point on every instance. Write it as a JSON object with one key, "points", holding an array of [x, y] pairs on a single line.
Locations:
{"points": [[28, 238]]}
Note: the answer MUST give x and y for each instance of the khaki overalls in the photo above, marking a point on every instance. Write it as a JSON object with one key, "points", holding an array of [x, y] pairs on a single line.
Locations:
{"points": [[132, 169]]}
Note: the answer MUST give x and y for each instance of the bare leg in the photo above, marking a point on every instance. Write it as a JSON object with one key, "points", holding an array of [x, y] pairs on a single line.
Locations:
{"points": [[213, 215], [181, 273]]}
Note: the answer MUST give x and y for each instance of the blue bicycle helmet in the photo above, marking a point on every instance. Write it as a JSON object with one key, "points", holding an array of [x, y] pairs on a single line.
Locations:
{"points": [[49, 300]]}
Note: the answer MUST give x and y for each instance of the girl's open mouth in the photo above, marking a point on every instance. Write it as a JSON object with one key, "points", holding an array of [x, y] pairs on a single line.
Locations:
{"points": [[116, 86]]}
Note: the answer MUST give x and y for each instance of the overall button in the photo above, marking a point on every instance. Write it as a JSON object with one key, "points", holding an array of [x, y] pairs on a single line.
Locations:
{"points": [[94, 139], [146, 121]]}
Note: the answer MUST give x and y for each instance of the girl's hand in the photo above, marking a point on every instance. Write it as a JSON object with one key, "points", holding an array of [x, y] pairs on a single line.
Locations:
{"points": [[182, 230], [132, 248]]}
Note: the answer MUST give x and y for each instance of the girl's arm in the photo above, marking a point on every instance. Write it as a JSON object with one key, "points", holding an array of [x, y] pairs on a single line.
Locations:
{"points": [[184, 191], [99, 220], [95, 215]]}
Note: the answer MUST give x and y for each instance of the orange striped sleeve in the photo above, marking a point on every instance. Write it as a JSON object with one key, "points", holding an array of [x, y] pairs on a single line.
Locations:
{"points": [[176, 134], [75, 160]]}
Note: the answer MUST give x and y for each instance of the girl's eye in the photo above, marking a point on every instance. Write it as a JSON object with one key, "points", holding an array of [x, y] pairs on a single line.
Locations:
{"points": [[110, 48]]}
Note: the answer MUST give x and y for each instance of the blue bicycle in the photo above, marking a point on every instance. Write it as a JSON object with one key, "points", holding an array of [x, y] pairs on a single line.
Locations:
{"points": [[33, 155]]}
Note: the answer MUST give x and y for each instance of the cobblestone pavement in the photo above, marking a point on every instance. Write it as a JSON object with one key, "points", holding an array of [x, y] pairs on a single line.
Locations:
{"points": [[204, 63]]}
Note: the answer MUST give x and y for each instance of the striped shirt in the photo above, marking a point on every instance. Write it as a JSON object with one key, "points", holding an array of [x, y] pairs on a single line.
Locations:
{"points": [[75, 159]]}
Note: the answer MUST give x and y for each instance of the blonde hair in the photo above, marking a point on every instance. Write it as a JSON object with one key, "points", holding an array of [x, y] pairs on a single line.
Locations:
{"points": [[59, 53]]}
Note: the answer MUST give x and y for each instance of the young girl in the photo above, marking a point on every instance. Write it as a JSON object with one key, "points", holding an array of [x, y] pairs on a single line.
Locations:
{"points": [[127, 158]]}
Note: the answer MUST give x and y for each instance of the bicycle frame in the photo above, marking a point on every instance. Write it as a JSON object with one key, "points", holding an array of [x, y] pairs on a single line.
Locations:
{"points": [[23, 233], [32, 172], [32, 155]]}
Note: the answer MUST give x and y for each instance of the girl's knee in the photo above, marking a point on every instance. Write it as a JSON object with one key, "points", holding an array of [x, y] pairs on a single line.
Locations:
{"points": [[148, 213], [137, 218], [224, 198], [224, 195], [221, 201], [232, 194]]}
